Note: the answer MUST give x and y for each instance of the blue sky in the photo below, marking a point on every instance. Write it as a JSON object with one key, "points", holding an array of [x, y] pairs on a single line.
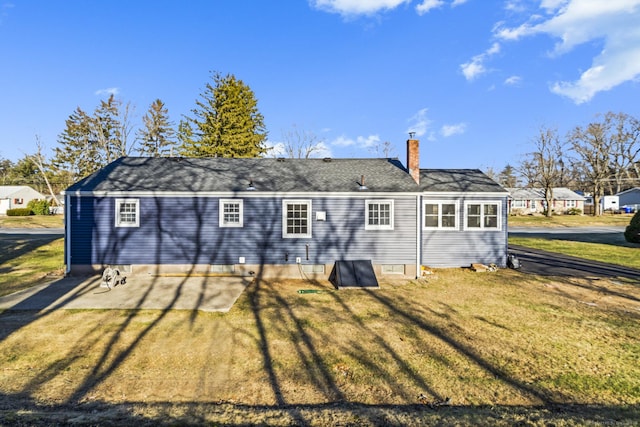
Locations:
{"points": [[475, 79]]}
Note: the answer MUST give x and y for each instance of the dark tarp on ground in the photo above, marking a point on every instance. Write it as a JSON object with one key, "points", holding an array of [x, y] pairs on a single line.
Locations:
{"points": [[353, 274]]}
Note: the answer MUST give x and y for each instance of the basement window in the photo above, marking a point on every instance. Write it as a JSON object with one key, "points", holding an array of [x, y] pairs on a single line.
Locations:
{"points": [[392, 268], [222, 268], [313, 268]]}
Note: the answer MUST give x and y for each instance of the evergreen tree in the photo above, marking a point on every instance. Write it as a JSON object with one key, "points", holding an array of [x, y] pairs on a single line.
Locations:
{"points": [[507, 177], [157, 138], [77, 152], [225, 123], [91, 142], [111, 128]]}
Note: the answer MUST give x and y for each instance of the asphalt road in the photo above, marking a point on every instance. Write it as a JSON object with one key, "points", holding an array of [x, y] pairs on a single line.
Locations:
{"points": [[32, 231], [552, 264]]}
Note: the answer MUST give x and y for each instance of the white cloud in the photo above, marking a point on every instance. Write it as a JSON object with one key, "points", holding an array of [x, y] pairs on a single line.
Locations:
{"points": [[108, 91], [576, 22], [359, 142], [450, 130], [4, 10], [343, 141], [275, 150], [357, 7], [513, 80], [419, 123], [278, 149], [371, 7], [368, 141], [476, 67], [428, 5], [322, 150]]}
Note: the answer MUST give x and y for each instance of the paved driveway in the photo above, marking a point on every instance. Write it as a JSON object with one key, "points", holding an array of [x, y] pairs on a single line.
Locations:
{"points": [[139, 292]]}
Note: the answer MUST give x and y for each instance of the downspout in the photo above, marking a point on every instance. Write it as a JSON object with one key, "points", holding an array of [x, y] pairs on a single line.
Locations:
{"points": [[67, 233], [418, 237]]}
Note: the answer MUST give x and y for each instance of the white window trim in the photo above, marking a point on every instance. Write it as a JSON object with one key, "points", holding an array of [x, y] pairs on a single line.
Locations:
{"points": [[120, 223], [287, 202], [440, 203], [221, 204], [519, 203], [482, 203], [368, 226]]}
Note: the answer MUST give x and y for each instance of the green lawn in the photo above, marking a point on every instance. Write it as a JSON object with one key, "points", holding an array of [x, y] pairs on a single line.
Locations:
{"points": [[569, 220], [456, 348], [32, 221]]}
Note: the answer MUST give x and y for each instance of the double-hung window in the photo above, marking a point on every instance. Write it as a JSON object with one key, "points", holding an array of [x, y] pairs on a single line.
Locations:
{"points": [[482, 215], [296, 219], [379, 215], [231, 213], [518, 203], [441, 215], [127, 213]]}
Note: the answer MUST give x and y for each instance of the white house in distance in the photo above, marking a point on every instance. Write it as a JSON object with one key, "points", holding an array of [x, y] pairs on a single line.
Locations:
{"points": [[525, 201], [17, 196], [630, 198]]}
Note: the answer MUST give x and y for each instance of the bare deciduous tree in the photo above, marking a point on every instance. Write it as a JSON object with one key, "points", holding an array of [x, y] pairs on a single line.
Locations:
{"points": [[543, 166], [625, 150], [39, 160], [592, 146], [302, 144]]}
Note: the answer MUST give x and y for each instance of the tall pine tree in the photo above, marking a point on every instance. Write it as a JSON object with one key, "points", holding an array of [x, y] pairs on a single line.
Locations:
{"points": [[77, 151], [91, 142], [157, 138], [225, 123]]}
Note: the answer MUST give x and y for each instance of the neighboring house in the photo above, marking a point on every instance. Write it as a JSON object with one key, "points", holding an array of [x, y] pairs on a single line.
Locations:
{"points": [[525, 201], [630, 197], [282, 217], [17, 196]]}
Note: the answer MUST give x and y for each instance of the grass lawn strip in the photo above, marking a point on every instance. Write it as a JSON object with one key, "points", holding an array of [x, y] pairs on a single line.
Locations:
{"points": [[473, 340]]}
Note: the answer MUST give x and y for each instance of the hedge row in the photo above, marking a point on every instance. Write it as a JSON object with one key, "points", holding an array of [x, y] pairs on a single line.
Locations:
{"points": [[20, 212]]}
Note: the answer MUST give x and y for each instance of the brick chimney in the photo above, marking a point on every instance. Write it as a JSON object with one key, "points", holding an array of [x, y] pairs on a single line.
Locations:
{"points": [[413, 159]]}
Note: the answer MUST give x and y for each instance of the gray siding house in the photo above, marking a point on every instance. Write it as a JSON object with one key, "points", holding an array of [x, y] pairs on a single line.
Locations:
{"points": [[630, 197], [280, 217], [525, 201], [17, 196]]}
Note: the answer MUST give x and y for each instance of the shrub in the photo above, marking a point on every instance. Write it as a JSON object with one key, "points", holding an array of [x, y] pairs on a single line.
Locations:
{"points": [[19, 212], [573, 211], [39, 207], [632, 232]]}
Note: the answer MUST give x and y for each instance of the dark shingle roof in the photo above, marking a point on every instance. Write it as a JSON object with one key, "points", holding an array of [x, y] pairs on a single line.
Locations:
{"points": [[267, 175], [458, 180]]}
